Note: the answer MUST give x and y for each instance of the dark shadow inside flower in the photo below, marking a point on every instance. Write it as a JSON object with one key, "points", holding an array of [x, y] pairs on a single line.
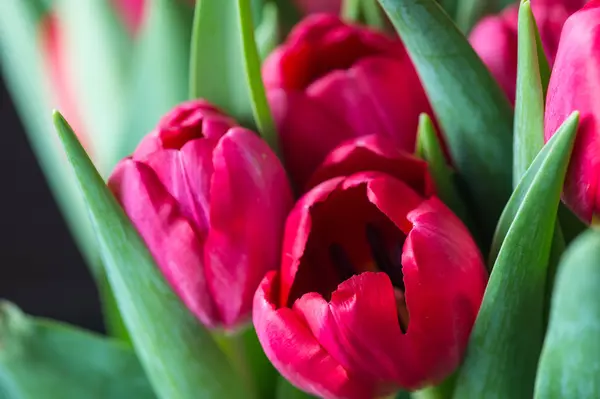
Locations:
{"points": [[349, 235]]}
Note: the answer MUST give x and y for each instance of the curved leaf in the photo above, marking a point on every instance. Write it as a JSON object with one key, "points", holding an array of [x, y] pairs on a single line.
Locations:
{"points": [[507, 337], [179, 355], [45, 359], [474, 113], [570, 362]]}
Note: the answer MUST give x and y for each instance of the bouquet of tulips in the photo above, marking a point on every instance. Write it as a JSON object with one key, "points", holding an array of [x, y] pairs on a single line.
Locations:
{"points": [[339, 199]]}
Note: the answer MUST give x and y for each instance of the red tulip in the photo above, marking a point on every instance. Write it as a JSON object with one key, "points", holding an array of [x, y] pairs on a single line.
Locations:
{"points": [[574, 86], [379, 288], [331, 81], [210, 199], [495, 37]]}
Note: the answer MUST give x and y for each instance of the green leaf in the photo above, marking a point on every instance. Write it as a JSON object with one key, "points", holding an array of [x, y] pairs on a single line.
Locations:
{"points": [[180, 357], [99, 53], [468, 12], [570, 361], [285, 390], [373, 15], [158, 77], [225, 66], [247, 355], [352, 10], [45, 359], [507, 337], [22, 66], [474, 113], [267, 33], [528, 137], [430, 149]]}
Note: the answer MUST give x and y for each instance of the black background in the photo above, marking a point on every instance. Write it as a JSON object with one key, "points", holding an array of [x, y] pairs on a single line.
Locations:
{"points": [[40, 268]]}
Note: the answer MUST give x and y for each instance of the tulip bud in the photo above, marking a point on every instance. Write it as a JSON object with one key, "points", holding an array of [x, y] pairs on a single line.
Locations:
{"points": [[379, 288], [573, 88], [330, 82], [494, 38], [210, 199]]}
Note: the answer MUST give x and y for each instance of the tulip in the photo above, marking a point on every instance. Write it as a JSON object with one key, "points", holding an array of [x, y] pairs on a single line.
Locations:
{"points": [[572, 88], [210, 199], [330, 82], [379, 288], [494, 38]]}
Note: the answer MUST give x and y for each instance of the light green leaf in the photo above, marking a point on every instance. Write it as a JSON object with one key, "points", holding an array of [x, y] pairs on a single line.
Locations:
{"points": [[528, 137], [27, 81], [225, 66], [267, 33], [99, 53], [373, 14], [468, 12], [570, 362], [180, 357], [429, 149], [285, 390], [507, 337], [45, 359], [474, 114], [351, 10], [159, 78]]}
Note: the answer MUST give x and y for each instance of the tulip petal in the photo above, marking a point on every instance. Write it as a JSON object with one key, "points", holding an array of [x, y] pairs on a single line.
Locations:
{"points": [[295, 352], [445, 279], [374, 153], [186, 174], [174, 243], [250, 198], [308, 132]]}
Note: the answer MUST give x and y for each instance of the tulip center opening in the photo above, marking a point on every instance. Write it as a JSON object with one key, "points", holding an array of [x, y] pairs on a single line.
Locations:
{"points": [[348, 236], [387, 259]]}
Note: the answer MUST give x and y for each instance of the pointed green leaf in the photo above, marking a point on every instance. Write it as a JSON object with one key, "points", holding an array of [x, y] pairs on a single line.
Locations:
{"points": [[507, 337], [45, 359], [545, 69], [474, 113], [569, 365], [158, 80], [99, 53], [429, 148], [179, 355], [528, 138], [225, 66]]}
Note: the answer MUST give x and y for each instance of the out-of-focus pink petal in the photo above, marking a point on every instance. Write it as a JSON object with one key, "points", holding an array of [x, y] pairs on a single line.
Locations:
{"points": [[445, 279], [574, 86], [62, 86], [250, 198], [317, 6], [294, 351], [308, 132], [374, 153], [172, 240], [132, 12]]}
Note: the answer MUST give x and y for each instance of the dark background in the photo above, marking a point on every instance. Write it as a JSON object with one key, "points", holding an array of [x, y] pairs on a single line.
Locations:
{"points": [[40, 268]]}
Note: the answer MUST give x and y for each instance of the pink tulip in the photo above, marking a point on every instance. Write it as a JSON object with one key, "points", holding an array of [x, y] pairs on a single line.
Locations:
{"points": [[330, 82], [495, 37], [573, 87], [379, 288], [210, 199]]}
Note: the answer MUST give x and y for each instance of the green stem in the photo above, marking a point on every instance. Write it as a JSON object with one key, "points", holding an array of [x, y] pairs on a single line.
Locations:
{"points": [[351, 10], [247, 357]]}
